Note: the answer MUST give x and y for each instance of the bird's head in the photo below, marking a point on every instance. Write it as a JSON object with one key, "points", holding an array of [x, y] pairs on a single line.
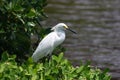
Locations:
{"points": [[62, 26]]}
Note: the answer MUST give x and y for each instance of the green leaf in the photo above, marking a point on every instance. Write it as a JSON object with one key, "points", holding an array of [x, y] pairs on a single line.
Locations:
{"points": [[32, 13], [31, 24], [79, 69], [59, 59], [2, 67], [5, 56], [29, 61]]}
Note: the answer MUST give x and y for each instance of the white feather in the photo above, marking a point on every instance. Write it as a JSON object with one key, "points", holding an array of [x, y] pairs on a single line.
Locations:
{"points": [[51, 41]]}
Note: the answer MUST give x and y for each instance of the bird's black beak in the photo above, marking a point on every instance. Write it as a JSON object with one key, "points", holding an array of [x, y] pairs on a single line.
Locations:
{"points": [[71, 30]]}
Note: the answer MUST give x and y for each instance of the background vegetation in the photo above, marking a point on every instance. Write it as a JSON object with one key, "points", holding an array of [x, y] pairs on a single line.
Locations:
{"points": [[19, 19]]}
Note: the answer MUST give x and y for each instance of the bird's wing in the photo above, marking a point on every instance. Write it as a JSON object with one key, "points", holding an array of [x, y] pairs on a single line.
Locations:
{"points": [[44, 48]]}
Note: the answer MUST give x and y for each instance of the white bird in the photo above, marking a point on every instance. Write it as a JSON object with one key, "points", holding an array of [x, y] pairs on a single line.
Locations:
{"points": [[51, 41]]}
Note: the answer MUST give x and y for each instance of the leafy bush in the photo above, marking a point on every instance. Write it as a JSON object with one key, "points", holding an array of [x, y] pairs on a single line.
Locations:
{"points": [[18, 20], [57, 68]]}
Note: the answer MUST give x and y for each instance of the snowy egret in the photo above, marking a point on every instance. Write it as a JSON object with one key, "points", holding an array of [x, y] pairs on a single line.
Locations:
{"points": [[51, 41]]}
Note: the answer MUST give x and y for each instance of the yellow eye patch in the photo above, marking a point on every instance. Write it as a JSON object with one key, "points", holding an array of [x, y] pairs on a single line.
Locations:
{"points": [[66, 27]]}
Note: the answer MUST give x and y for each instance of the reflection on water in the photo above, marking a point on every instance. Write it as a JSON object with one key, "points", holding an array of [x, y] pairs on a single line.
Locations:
{"points": [[97, 23]]}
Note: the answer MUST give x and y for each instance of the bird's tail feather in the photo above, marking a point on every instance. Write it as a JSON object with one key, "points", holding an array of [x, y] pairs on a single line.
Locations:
{"points": [[35, 58]]}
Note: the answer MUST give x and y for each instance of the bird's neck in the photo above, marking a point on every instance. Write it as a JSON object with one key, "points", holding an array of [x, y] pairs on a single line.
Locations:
{"points": [[60, 37], [60, 33]]}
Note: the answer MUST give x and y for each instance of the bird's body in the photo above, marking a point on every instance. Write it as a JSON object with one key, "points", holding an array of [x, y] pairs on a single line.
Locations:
{"points": [[51, 41]]}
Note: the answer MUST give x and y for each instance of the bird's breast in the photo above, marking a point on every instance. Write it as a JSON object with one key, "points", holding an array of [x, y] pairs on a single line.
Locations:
{"points": [[59, 38]]}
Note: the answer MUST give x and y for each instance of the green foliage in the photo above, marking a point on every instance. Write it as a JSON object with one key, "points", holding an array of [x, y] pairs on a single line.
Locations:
{"points": [[18, 20], [57, 68]]}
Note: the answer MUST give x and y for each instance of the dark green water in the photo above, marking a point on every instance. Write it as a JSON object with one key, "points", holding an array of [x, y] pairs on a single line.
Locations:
{"points": [[97, 23]]}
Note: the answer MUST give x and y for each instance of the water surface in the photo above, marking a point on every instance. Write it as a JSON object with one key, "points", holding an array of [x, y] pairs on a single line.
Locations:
{"points": [[97, 23]]}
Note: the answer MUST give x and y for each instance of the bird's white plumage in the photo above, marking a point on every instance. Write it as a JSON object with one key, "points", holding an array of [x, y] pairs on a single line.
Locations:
{"points": [[52, 40]]}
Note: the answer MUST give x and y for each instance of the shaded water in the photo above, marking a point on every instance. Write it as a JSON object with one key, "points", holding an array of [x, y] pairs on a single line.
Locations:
{"points": [[97, 23]]}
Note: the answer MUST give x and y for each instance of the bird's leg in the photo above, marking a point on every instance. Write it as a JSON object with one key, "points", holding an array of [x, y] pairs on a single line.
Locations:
{"points": [[49, 57]]}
